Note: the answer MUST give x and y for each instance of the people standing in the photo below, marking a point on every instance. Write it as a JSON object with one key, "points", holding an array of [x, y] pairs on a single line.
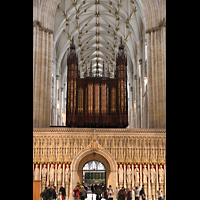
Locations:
{"points": [[43, 194], [137, 192], [121, 194], [53, 193], [117, 193], [76, 193], [60, 196], [98, 193], [82, 192], [142, 193], [160, 195], [62, 189], [92, 188], [110, 193], [48, 193], [128, 194], [106, 194]]}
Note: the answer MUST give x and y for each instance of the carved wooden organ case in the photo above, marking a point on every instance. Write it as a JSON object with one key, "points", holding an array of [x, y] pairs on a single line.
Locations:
{"points": [[98, 101]]}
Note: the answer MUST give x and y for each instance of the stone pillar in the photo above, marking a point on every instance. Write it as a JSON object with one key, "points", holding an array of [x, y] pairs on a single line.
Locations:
{"points": [[56, 99], [124, 174], [164, 193], [153, 188], [41, 174], [141, 175], [149, 187], [42, 56], [156, 182], [55, 180], [48, 174], [41, 84], [67, 190], [49, 74], [149, 75]]}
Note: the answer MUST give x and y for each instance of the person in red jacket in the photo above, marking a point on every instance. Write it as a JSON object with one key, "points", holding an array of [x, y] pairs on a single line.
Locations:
{"points": [[76, 193], [128, 194]]}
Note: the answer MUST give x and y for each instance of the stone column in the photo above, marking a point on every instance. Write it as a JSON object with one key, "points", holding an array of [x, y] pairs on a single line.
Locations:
{"points": [[149, 187], [49, 74], [42, 47], [48, 174], [44, 78], [55, 180], [164, 193], [67, 190], [149, 75], [141, 175], [41, 80], [37, 72], [56, 99], [156, 195], [124, 174]]}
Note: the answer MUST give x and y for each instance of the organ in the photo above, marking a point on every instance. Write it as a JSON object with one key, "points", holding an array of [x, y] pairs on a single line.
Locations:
{"points": [[97, 101]]}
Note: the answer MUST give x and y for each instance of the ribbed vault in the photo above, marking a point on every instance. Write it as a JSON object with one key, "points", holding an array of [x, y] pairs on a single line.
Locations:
{"points": [[97, 27]]}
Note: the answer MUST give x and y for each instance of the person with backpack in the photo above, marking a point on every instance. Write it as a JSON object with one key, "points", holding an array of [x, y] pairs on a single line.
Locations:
{"points": [[160, 195], [137, 192], [122, 194], [110, 193], [76, 193], [82, 193]]}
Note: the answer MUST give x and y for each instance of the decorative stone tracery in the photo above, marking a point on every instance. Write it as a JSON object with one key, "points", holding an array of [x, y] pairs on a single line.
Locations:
{"points": [[133, 157]]}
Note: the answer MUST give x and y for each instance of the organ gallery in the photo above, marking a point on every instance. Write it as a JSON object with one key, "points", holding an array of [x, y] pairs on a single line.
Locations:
{"points": [[97, 101]]}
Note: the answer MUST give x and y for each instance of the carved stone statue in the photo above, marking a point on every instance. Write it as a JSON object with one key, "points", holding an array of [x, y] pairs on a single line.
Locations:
{"points": [[67, 174], [59, 172], [121, 174], [145, 173], [161, 174], [44, 173], [36, 173], [129, 172], [153, 174], [52, 170], [136, 174]]}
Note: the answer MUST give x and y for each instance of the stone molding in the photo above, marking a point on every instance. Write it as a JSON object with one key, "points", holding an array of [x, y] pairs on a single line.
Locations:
{"points": [[38, 23], [156, 28], [99, 130]]}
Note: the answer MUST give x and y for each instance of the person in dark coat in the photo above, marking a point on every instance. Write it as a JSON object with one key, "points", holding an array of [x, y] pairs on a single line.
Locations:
{"points": [[62, 189], [92, 188], [98, 193], [142, 193], [48, 194], [43, 194]]}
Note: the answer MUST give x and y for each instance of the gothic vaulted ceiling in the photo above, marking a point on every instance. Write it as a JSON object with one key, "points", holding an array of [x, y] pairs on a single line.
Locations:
{"points": [[97, 26]]}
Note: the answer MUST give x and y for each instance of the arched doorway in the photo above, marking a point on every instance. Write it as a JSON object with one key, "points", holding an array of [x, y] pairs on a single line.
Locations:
{"points": [[94, 172], [93, 154]]}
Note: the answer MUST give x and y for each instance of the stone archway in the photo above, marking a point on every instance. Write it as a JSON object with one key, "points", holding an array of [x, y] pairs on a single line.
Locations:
{"points": [[93, 154]]}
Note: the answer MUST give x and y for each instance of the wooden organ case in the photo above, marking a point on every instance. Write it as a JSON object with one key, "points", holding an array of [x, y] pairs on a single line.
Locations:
{"points": [[98, 101]]}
